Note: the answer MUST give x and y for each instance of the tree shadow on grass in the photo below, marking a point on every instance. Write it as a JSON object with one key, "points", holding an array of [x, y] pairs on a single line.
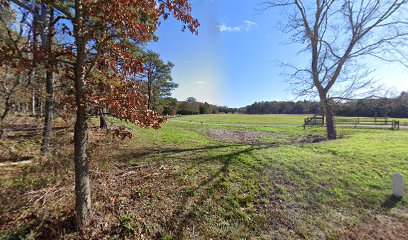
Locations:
{"points": [[184, 215], [145, 153], [391, 201]]}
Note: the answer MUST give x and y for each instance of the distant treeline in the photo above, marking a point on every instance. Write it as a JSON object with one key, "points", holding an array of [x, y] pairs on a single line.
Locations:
{"points": [[386, 107], [275, 107], [170, 106]]}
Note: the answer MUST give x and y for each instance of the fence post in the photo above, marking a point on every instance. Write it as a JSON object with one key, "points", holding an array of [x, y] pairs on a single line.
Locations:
{"points": [[398, 185]]}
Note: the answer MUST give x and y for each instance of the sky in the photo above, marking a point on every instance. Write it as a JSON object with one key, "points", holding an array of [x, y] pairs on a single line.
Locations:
{"points": [[234, 59]]}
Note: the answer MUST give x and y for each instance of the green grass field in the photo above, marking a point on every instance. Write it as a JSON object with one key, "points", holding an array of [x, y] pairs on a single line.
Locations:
{"points": [[289, 190], [189, 181], [245, 118], [263, 119]]}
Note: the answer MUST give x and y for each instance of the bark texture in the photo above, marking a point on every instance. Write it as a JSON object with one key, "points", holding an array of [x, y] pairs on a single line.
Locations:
{"points": [[103, 120], [82, 180], [49, 78], [330, 119]]}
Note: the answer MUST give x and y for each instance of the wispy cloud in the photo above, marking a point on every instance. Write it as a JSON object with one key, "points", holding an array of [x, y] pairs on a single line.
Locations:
{"points": [[249, 24], [246, 25], [200, 82], [224, 28]]}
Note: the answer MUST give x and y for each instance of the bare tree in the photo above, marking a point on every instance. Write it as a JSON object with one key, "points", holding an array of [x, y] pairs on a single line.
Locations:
{"points": [[338, 37]]}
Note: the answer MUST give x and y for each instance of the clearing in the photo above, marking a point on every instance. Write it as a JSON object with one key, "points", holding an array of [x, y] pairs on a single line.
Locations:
{"points": [[189, 181], [265, 119]]}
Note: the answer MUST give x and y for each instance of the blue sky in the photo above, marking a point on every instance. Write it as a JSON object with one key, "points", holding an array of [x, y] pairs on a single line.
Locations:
{"points": [[234, 60]]}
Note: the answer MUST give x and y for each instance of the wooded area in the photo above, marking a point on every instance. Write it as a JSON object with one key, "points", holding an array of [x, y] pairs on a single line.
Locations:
{"points": [[75, 56], [383, 107]]}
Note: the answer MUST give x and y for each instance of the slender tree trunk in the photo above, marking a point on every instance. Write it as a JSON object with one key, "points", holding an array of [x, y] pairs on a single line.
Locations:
{"points": [[33, 102], [49, 109], [40, 108], [49, 79], [154, 99], [7, 108], [103, 120], [82, 181], [149, 91], [34, 60], [330, 124], [149, 97]]}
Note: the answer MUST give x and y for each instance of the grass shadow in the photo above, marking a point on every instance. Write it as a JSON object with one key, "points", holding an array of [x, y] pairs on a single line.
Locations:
{"points": [[185, 214], [391, 201], [148, 152]]}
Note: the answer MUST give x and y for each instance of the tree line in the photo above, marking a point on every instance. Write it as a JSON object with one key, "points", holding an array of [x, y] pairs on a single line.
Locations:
{"points": [[171, 106], [383, 107]]}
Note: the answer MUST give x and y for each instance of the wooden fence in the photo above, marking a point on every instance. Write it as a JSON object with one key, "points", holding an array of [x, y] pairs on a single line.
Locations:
{"points": [[314, 121], [357, 121], [361, 121]]}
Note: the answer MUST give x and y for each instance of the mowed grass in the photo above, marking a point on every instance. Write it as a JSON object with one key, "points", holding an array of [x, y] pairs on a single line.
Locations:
{"points": [[284, 191], [192, 185], [265, 118], [245, 118]]}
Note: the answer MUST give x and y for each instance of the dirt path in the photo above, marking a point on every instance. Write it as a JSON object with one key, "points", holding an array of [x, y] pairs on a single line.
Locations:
{"points": [[280, 125], [241, 137]]}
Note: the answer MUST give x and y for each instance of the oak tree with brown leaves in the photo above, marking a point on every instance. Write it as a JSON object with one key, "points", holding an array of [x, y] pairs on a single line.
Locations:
{"points": [[97, 58]]}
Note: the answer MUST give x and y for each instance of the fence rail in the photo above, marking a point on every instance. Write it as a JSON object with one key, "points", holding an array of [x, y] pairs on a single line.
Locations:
{"points": [[319, 121], [395, 124], [314, 121]]}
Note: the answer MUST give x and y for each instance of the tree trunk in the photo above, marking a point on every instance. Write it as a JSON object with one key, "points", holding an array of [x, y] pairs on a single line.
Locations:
{"points": [[34, 60], [149, 90], [49, 109], [41, 108], [82, 182], [154, 99], [7, 108], [330, 125], [49, 80], [103, 120], [33, 102], [149, 96]]}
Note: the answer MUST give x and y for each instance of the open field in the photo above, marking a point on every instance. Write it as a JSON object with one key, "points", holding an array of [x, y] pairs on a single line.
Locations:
{"points": [[264, 119], [245, 118], [190, 181]]}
